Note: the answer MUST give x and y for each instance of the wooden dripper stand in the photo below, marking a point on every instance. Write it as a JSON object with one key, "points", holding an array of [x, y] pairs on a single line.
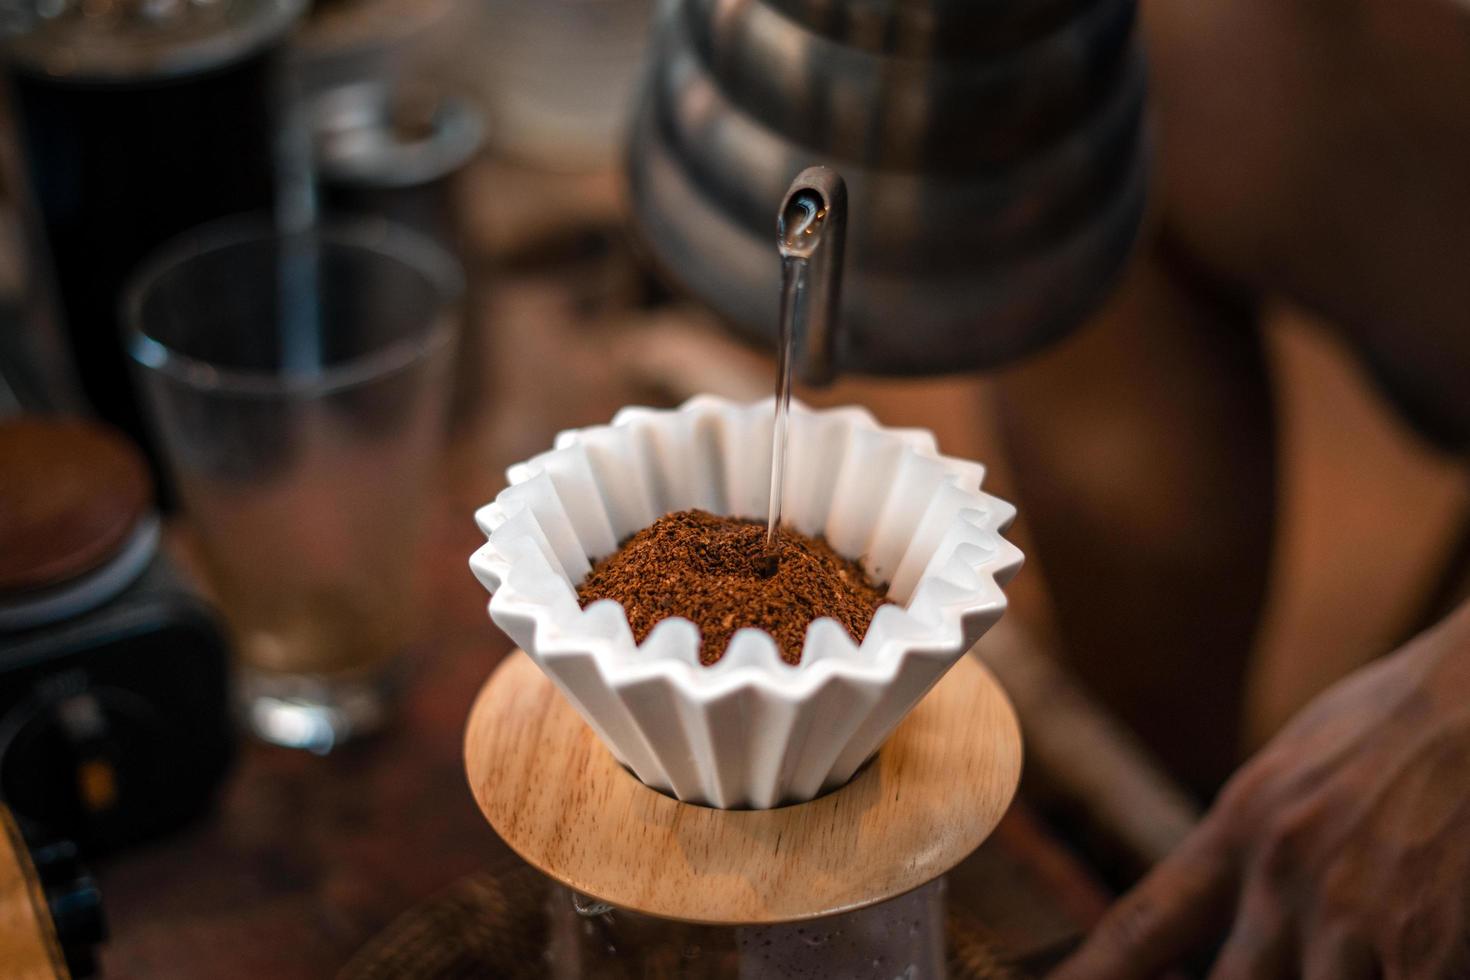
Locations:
{"points": [[848, 885]]}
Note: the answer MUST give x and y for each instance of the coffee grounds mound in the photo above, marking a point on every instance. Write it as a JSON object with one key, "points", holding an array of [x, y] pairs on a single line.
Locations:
{"points": [[712, 571]]}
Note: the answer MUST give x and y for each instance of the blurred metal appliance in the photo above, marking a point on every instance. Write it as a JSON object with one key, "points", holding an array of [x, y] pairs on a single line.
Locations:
{"points": [[135, 120], [114, 708], [398, 148], [345, 41], [393, 150], [996, 157]]}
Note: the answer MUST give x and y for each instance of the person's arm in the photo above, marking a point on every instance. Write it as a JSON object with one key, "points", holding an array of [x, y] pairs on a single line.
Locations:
{"points": [[1318, 150], [1142, 451], [1341, 851]]}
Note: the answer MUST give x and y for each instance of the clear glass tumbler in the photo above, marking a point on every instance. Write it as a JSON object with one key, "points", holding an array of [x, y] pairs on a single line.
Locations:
{"points": [[298, 384]]}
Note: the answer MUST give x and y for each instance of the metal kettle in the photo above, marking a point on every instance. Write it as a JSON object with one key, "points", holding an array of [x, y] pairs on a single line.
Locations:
{"points": [[995, 151]]}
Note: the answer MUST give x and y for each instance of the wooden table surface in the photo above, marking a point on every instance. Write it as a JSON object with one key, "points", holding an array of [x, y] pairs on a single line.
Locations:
{"points": [[303, 858]]}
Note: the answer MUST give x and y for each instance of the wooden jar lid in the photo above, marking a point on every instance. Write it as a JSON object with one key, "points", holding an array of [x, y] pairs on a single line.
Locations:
{"points": [[549, 788], [71, 494]]}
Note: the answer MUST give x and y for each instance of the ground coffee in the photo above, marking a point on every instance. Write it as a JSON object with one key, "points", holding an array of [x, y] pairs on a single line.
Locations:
{"points": [[714, 572]]}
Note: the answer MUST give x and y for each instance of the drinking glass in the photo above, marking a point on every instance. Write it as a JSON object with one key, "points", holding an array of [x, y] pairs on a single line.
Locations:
{"points": [[297, 383]]}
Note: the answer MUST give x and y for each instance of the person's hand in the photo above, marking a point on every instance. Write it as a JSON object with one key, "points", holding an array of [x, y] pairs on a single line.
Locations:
{"points": [[1341, 851]]}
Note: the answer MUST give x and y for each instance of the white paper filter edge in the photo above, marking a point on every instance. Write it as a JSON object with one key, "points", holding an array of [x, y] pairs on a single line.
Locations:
{"points": [[751, 731]]}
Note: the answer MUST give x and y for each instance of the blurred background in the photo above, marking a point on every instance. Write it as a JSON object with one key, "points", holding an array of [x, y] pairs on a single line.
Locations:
{"points": [[286, 285]]}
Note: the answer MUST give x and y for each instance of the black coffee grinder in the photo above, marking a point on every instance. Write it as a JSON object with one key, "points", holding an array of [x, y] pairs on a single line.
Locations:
{"points": [[114, 708]]}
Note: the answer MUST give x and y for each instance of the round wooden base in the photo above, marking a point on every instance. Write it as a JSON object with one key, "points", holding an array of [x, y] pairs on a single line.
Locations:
{"points": [[932, 794]]}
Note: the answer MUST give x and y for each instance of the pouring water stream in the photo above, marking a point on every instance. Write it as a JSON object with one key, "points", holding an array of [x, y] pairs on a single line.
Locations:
{"points": [[812, 216]]}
